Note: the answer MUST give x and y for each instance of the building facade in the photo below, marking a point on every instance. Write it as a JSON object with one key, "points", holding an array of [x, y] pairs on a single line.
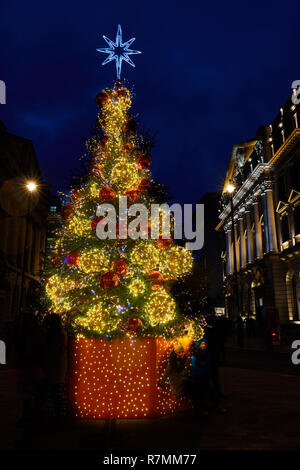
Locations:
{"points": [[22, 227], [265, 234]]}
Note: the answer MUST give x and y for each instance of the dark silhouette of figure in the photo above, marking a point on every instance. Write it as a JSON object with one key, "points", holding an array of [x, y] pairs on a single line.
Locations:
{"points": [[214, 348], [204, 370], [240, 332], [30, 353], [247, 323], [250, 325], [55, 368], [221, 326], [177, 374]]}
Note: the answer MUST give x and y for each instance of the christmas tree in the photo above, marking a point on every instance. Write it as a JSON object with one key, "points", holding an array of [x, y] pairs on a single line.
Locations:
{"points": [[116, 294], [111, 287]]}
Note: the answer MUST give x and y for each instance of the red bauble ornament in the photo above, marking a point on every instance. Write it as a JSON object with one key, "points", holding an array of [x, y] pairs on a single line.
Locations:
{"points": [[144, 186], [72, 258], [157, 280], [156, 285], [108, 280], [120, 267], [107, 194], [133, 324], [66, 212], [95, 222], [147, 231], [156, 275], [144, 161], [128, 147], [97, 169], [163, 243], [102, 98], [132, 195], [118, 231], [104, 140], [122, 92], [75, 194]]}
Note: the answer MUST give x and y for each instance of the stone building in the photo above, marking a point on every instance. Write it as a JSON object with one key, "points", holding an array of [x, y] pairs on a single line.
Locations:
{"points": [[265, 173], [22, 224]]}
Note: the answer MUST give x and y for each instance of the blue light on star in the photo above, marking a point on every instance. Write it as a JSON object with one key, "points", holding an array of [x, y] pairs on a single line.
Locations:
{"points": [[118, 51]]}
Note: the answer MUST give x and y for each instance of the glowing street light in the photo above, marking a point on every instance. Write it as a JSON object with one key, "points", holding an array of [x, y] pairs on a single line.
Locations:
{"points": [[31, 186], [230, 188]]}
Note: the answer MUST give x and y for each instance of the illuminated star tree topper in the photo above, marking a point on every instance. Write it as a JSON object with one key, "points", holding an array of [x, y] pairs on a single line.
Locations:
{"points": [[118, 51]]}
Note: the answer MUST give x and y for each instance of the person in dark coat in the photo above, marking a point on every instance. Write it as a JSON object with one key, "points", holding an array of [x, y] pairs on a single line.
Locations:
{"points": [[212, 335], [177, 374], [240, 332], [221, 325], [30, 351], [251, 325], [203, 371], [56, 366]]}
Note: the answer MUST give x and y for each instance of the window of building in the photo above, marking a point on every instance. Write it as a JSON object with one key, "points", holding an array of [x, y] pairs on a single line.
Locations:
{"points": [[264, 234], [289, 125], [277, 140], [281, 188], [53, 209], [295, 173], [285, 233]]}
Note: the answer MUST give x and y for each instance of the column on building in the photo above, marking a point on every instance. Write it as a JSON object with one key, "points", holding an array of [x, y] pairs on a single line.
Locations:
{"points": [[250, 244], [243, 252], [236, 244], [271, 225], [266, 220], [258, 230], [228, 235]]}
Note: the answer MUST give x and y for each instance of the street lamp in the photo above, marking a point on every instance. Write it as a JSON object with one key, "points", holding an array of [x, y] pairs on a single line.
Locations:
{"points": [[230, 189], [30, 188]]}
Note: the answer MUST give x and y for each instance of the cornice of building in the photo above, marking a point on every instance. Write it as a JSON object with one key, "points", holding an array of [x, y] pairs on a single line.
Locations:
{"points": [[286, 147], [260, 169]]}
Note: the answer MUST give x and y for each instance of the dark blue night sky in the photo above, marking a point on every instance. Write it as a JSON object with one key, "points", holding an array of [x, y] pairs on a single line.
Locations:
{"points": [[210, 74]]}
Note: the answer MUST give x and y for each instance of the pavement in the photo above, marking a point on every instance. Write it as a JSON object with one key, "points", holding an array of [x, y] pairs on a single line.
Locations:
{"points": [[263, 413]]}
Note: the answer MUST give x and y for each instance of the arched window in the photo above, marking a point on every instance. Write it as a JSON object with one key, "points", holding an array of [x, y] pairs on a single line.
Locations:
{"points": [[285, 233]]}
